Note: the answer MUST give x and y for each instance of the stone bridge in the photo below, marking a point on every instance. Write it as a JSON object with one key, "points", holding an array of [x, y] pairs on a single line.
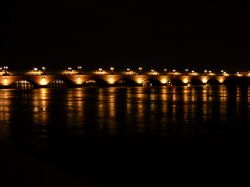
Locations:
{"points": [[44, 80]]}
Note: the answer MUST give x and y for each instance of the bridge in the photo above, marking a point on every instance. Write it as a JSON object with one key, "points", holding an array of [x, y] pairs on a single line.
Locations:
{"points": [[38, 78]]}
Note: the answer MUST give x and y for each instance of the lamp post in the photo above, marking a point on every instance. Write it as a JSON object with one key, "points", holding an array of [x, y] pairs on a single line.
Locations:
{"points": [[44, 69], [112, 70], [79, 69], [140, 70], [35, 70], [5, 69]]}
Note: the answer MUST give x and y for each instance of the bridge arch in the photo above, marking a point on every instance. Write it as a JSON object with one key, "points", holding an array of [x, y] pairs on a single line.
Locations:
{"points": [[237, 81], [24, 83], [152, 82], [60, 82], [213, 81], [126, 81], [196, 81], [95, 81], [176, 82]]}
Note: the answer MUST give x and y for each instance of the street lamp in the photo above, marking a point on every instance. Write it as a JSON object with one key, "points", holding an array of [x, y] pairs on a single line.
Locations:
{"points": [[112, 69]]}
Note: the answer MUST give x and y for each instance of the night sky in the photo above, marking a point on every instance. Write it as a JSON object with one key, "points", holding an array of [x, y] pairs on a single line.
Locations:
{"points": [[178, 35]]}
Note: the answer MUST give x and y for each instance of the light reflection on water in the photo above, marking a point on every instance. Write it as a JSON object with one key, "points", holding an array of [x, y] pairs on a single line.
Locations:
{"points": [[122, 111]]}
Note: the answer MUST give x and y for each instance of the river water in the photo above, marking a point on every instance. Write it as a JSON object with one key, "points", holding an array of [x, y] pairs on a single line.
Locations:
{"points": [[103, 132]]}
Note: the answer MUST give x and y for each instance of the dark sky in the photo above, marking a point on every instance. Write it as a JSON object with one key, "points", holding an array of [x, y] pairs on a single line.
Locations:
{"points": [[104, 33]]}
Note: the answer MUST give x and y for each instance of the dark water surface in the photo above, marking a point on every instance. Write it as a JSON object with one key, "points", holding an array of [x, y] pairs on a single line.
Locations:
{"points": [[124, 134]]}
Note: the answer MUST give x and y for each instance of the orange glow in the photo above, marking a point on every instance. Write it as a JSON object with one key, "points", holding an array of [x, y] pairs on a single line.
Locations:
{"points": [[221, 80], [111, 80], [163, 80], [100, 72], [185, 80], [5, 82], [204, 80], [139, 80], [43, 81], [79, 80]]}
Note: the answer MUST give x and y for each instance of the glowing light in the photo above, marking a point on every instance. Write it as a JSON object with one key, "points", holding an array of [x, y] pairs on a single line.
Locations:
{"points": [[163, 80], [79, 80], [139, 80], [220, 79], [185, 80], [112, 68], [204, 80], [140, 68], [111, 80], [43, 81], [239, 74], [5, 81], [153, 72]]}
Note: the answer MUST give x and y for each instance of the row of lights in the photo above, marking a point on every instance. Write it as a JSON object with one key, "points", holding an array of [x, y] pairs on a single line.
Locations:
{"points": [[36, 69], [4, 68]]}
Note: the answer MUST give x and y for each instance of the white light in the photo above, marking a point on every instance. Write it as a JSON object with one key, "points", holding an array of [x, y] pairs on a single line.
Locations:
{"points": [[128, 69], [152, 70], [165, 69], [100, 69], [112, 68], [186, 69], [35, 69], [69, 68], [140, 68], [44, 68]]}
